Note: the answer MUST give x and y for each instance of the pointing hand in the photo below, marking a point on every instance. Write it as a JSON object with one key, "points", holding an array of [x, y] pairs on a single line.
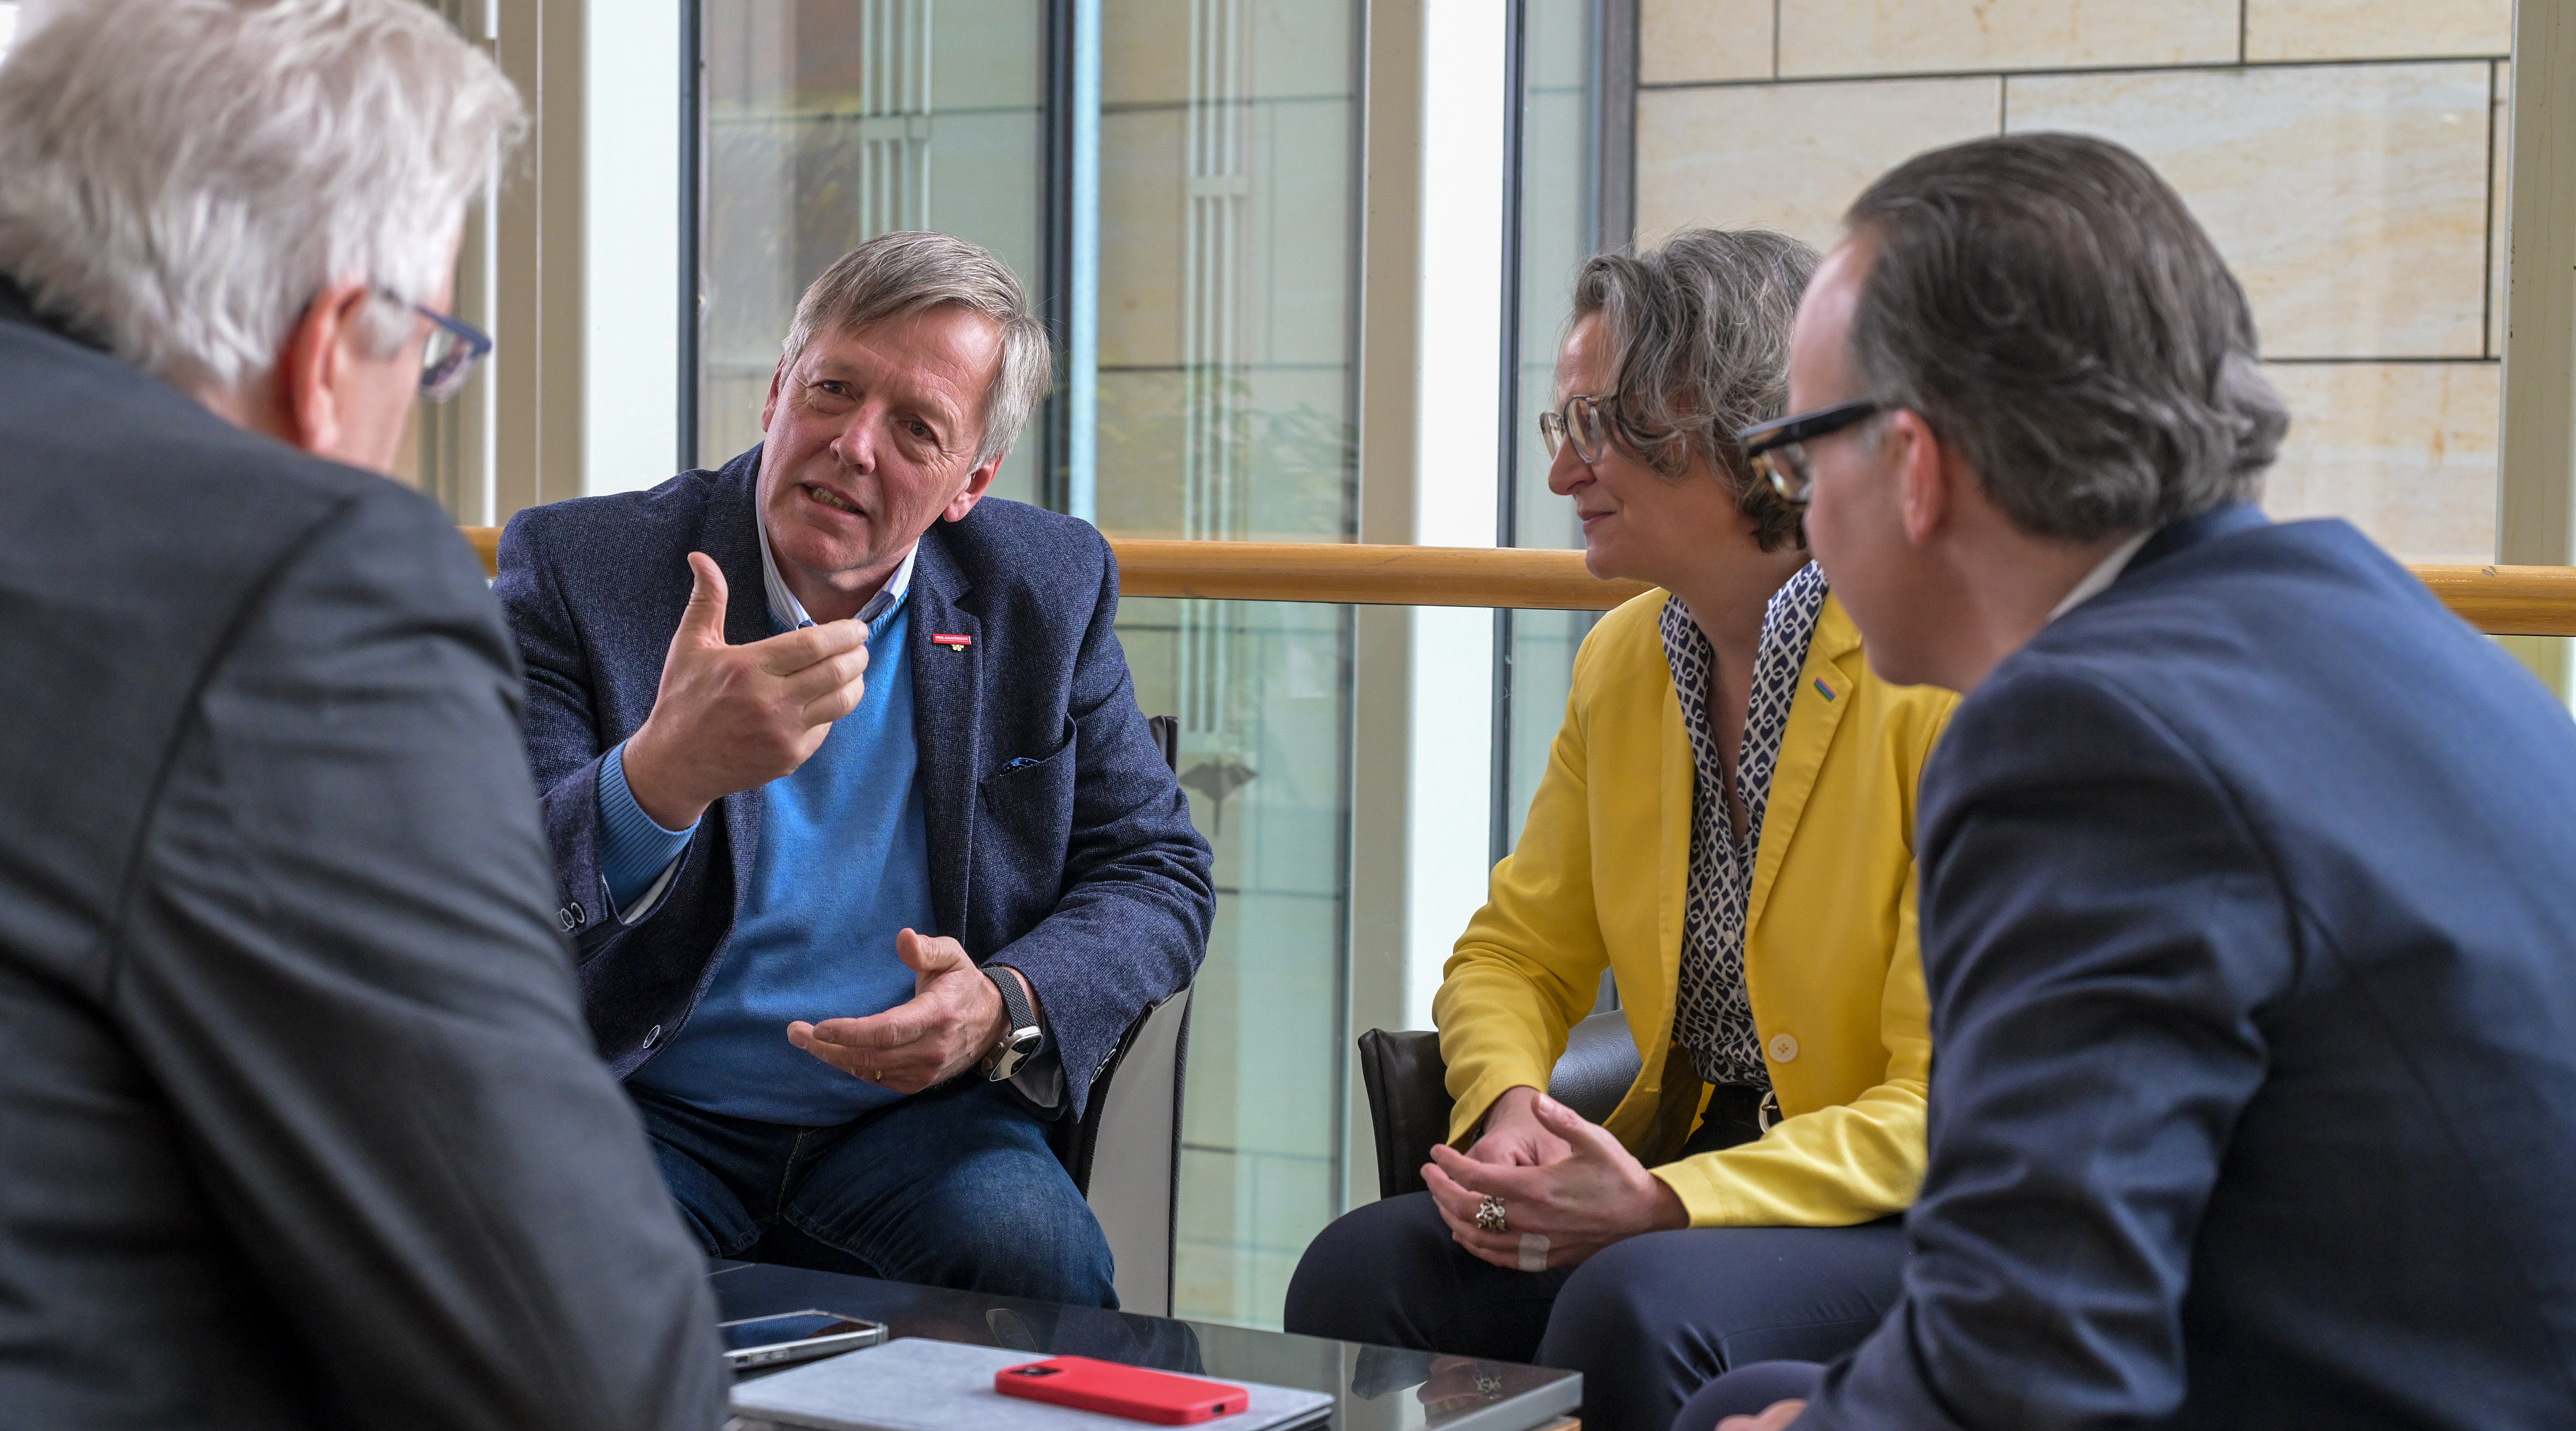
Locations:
{"points": [[730, 718]]}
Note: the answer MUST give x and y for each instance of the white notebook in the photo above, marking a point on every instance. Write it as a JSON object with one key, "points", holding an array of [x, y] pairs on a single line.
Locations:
{"points": [[916, 1384]]}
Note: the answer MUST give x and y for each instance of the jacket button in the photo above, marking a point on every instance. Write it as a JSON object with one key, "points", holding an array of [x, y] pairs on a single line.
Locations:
{"points": [[571, 917], [653, 1036], [1784, 1049]]}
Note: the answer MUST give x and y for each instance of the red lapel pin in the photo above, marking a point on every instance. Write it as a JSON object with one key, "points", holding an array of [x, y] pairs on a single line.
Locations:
{"points": [[954, 643]]}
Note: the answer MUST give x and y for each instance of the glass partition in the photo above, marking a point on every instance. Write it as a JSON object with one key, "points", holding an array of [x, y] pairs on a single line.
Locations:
{"points": [[1560, 226], [1226, 290]]}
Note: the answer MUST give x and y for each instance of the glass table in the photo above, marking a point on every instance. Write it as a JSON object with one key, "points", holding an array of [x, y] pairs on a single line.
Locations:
{"points": [[1373, 1388]]}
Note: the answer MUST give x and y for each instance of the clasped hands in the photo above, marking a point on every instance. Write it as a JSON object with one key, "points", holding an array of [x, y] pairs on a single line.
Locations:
{"points": [[1558, 1176]]}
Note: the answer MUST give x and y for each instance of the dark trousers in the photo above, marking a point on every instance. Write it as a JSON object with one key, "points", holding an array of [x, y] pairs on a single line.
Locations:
{"points": [[1647, 1321], [952, 1187], [1749, 1390]]}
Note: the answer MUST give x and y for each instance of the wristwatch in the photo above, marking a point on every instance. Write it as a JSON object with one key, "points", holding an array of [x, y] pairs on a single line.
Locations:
{"points": [[1021, 1036]]}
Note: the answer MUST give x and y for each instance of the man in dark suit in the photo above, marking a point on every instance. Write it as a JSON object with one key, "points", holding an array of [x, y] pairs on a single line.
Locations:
{"points": [[2247, 911], [865, 848], [298, 1122]]}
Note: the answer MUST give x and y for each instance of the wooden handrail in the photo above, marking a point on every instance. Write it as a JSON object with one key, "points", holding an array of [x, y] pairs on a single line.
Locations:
{"points": [[2499, 600]]}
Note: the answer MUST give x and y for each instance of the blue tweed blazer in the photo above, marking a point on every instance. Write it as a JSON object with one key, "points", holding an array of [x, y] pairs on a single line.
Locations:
{"points": [[1081, 870]]}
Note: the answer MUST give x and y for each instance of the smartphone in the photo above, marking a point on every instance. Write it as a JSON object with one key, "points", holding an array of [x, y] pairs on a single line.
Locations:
{"points": [[795, 1336], [1129, 1391]]}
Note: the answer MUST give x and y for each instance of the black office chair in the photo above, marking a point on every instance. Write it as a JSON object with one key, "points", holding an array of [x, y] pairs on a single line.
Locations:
{"points": [[1409, 1102], [1125, 1153]]}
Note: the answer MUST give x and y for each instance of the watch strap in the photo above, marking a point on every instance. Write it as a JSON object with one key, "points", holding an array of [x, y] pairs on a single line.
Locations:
{"points": [[1007, 1059]]}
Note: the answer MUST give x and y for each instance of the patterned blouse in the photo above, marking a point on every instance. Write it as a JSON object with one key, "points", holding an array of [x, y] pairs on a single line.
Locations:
{"points": [[1714, 1019]]}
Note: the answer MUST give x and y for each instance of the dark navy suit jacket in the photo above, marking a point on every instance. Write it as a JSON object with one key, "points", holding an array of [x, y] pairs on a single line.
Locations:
{"points": [[1080, 869], [2249, 921]]}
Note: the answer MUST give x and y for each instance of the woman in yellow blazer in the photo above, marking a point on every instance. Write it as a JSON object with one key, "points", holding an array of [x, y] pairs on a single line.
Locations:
{"points": [[1726, 825]]}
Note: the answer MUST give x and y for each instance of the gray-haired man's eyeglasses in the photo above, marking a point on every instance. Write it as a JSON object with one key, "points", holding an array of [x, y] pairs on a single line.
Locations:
{"points": [[1580, 421], [1778, 448], [454, 347]]}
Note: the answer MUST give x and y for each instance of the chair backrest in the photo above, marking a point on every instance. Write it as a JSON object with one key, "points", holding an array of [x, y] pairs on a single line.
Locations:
{"points": [[1408, 1092], [1125, 1155], [1409, 1103]]}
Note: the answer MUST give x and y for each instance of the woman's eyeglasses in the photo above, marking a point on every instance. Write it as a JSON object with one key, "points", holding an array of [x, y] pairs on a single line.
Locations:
{"points": [[1778, 448], [1580, 422], [448, 358]]}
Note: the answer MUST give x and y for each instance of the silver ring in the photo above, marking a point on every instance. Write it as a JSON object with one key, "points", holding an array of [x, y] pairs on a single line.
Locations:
{"points": [[1489, 1215]]}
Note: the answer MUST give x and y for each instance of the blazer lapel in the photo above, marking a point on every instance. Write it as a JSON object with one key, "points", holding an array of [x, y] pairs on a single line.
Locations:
{"points": [[946, 731], [726, 533], [1813, 714], [1678, 775]]}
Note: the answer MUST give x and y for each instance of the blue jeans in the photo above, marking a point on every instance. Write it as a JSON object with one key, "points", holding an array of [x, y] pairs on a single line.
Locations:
{"points": [[954, 1187]]}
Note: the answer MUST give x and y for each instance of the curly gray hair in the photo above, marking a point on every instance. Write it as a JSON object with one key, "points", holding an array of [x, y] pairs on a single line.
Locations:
{"points": [[1701, 326]]}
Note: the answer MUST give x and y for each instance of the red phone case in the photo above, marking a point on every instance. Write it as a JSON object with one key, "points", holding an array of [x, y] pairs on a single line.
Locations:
{"points": [[1129, 1391]]}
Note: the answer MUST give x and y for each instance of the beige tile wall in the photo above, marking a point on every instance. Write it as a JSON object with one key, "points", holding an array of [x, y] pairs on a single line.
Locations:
{"points": [[2376, 29], [1791, 157], [2346, 155], [2350, 199], [2405, 451], [1711, 40], [1887, 37]]}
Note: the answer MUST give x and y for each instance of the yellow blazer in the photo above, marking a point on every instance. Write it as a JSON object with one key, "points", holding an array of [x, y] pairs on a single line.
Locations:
{"points": [[1830, 958]]}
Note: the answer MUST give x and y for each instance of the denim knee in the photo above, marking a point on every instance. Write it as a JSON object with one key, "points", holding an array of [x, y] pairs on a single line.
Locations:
{"points": [[1040, 1241], [1009, 1225]]}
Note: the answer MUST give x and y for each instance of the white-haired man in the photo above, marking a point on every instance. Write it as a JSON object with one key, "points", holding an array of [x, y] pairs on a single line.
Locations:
{"points": [[298, 1124]]}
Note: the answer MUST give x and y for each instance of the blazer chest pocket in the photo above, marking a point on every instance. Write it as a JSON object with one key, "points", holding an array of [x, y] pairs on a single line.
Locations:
{"points": [[1028, 804]]}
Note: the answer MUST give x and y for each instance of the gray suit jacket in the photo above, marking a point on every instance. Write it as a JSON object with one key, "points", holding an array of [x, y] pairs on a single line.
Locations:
{"points": [[299, 1125]]}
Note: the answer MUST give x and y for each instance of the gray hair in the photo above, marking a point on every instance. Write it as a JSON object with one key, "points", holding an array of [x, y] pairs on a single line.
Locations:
{"points": [[1701, 328], [2047, 304], [898, 274], [184, 176]]}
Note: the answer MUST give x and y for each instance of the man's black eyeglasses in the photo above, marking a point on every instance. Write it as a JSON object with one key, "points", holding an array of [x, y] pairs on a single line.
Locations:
{"points": [[1778, 448], [454, 347]]}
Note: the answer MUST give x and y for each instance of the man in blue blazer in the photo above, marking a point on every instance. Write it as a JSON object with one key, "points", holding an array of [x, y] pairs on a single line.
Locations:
{"points": [[866, 852], [2247, 909]]}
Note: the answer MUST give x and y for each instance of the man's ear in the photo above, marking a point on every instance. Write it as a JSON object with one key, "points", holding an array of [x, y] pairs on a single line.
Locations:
{"points": [[777, 378], [304, 388], [978, 482], [1924, 471]]}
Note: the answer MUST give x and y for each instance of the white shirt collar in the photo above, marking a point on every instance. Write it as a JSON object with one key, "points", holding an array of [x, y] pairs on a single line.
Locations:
{"points": [[789, 613], [2102, 575]]}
